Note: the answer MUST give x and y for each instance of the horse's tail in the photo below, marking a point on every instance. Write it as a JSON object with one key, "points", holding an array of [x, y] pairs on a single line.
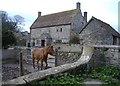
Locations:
{"points": [[33, 59]]}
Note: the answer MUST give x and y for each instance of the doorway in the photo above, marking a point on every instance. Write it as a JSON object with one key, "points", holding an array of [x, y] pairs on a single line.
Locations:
{"points": [[42, 43]]}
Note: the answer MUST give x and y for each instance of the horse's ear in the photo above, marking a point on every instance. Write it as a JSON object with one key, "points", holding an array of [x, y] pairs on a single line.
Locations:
{"points": [[51, 46]]}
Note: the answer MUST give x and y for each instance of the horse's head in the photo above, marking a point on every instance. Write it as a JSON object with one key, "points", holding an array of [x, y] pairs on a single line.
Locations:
{"points": [[50, 50]]}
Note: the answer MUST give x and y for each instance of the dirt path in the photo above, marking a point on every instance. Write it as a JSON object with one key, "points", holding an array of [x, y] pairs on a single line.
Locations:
{"points": [[10, 70]]}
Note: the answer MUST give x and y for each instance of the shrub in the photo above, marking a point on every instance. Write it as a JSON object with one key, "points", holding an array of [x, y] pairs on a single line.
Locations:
{"points": [[109, 74], [74, 40]]}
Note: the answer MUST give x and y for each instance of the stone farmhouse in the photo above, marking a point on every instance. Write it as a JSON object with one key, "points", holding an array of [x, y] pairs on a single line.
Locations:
{"points": [[57, 27], [61, 26], [99, 32]]}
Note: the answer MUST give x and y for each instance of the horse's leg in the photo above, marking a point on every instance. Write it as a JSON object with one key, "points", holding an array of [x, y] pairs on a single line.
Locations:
{"points": [[33, 60], [46, 63], [41, 64], [38, 64]]}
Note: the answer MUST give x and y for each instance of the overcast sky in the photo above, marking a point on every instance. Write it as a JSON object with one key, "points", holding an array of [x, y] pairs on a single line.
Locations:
{"points": [[105, 10]]}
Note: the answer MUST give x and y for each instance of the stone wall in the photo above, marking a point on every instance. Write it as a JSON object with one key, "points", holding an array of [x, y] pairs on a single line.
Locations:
{"points": [[67, 57], [67, 53], [106, 57], [101, 56], [10, 54], [68, 47]]}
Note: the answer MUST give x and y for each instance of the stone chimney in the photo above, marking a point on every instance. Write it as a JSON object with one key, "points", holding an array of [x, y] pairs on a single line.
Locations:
{"points": [[78, 5], [85, 16], [39, 14]]}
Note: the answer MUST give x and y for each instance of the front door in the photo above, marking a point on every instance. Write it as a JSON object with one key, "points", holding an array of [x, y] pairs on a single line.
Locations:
{"points": [[42, 43]]}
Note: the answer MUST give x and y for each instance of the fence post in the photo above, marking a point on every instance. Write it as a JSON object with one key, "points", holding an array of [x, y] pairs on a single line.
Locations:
{"points": [[88, 67], [56, 56], [21, 63]]}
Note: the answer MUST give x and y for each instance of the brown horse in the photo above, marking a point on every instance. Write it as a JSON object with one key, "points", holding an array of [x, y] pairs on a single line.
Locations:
{"points": [[41, 55]]}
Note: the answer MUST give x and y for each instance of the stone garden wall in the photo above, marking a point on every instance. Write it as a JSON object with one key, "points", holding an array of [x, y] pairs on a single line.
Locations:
{"points": [[101, 56], [10, 54], [67, 53], [106, 56]]}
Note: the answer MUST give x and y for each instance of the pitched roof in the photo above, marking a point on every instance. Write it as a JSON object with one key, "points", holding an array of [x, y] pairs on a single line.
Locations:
{"points": [[59, 18], [105, 25]]}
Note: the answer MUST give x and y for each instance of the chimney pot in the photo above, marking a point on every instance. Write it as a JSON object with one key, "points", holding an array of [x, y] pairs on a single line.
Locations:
{"points": [[39, 14], [78, 5], [85, 16]]}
